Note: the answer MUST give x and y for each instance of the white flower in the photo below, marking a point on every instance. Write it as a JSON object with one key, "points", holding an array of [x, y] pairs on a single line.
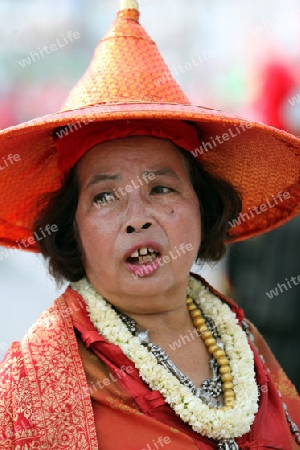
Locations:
{"points": [[213, 423]]}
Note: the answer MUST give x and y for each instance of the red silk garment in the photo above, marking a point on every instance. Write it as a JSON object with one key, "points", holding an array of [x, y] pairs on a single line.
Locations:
{"points": [[73, 144]]}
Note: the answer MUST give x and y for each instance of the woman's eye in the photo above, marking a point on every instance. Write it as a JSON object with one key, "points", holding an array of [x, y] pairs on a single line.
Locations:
{"points": [[104, 197], [162, 190]]}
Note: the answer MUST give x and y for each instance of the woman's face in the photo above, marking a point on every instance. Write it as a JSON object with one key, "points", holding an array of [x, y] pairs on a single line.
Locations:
{"points": [[138, 219]]}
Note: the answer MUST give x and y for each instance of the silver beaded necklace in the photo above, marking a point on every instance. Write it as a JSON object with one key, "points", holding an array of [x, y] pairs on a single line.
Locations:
{"points": [[210, 390]]}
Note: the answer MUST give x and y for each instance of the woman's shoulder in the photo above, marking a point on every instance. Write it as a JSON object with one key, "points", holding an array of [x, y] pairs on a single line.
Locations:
{"points": [[44, 365]]}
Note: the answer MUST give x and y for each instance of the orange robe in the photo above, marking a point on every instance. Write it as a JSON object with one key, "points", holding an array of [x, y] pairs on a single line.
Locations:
{"points": [[64, 387]]}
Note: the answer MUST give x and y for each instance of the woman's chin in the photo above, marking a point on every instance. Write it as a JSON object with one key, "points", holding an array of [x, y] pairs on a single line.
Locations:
{"points": [[147, 281], [143, 281], [143, 271]]}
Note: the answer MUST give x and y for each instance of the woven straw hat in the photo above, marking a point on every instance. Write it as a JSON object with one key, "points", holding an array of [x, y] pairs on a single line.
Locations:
{"points": [[128, 79]]}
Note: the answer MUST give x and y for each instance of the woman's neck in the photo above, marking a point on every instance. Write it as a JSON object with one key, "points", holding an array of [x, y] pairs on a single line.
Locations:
{"points": [[168, 312]]}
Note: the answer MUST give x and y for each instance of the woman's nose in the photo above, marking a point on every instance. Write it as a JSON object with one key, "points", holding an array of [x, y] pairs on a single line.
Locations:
{"points": [[131, 229], [137, 216]]}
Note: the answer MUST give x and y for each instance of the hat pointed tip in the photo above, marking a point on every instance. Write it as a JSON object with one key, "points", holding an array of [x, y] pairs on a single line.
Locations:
{"points": [[129, 4]]}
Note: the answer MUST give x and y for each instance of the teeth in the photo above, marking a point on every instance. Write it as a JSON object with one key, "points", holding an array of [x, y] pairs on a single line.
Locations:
{"points": [[147, 258], [143, 252]]}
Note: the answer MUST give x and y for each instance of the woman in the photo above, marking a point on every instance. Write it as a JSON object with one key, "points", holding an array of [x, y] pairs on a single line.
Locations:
{"points": [[138, 354]]}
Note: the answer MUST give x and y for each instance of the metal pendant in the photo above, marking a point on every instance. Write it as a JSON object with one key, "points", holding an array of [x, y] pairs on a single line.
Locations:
{"points": [[143, 336], [228, 444]]}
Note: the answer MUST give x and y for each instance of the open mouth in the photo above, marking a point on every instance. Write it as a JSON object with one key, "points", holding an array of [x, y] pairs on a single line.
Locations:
{"points": [[143, 256]]}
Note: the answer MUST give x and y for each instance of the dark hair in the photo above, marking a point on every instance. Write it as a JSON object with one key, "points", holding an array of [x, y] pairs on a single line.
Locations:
{"points": [[219, 204]]}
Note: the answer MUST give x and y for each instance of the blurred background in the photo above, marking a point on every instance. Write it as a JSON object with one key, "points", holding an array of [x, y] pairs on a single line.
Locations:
{"points": [[245, 59]]}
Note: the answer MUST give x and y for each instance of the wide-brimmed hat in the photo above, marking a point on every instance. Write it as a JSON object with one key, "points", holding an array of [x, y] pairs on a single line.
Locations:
{"points": [[127, 79]]}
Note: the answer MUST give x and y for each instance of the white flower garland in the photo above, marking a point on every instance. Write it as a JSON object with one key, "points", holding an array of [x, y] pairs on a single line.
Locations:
{"points": [[211, 422]]}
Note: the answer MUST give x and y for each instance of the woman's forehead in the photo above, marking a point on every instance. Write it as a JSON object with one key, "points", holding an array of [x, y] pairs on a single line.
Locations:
{"points": [[146, 152]]}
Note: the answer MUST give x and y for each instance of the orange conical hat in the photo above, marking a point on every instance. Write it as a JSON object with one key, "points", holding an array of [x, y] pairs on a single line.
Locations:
{"points": [[128, 79], [127, 66]]}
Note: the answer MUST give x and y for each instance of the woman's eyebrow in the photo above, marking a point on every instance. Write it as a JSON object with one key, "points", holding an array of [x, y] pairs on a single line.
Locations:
{"points": [[163, 171], [102, 177], [108, 176]]}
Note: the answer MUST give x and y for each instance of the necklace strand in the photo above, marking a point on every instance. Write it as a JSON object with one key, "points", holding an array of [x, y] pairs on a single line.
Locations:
{"points": [[221, 424], [211, 389], [217, 353]]}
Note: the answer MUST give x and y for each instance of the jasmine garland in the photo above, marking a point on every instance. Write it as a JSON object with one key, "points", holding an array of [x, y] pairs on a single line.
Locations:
{"points": [[223, 423]]}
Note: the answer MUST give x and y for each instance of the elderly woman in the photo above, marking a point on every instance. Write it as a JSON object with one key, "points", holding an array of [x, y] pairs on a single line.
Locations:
{"points": [[138, 353]]}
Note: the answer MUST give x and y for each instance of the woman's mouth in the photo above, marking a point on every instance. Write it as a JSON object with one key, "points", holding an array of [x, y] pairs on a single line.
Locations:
{"points": [[143, 261], [143, 256]]}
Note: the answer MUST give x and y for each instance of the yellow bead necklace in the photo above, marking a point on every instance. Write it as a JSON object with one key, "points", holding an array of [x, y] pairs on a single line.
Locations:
{"points": [[216, 352]]}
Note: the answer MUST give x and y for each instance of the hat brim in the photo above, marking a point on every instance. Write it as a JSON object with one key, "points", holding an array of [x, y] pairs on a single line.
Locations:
{"points": [[262, 162]]}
